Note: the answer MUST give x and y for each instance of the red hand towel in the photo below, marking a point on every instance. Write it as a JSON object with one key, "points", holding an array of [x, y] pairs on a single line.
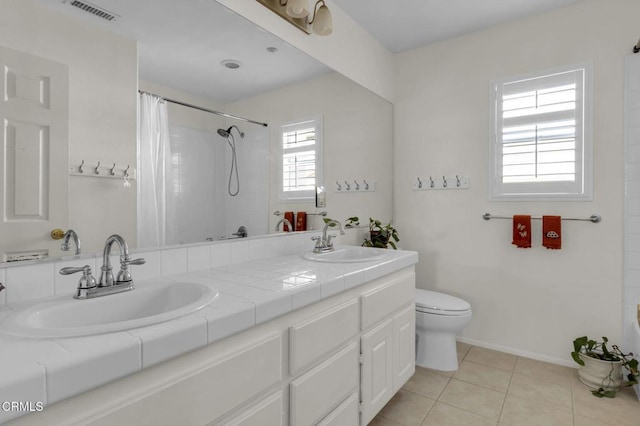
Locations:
{"points": [[301, 221], [522, 231], [289, 217], [552, 232]]}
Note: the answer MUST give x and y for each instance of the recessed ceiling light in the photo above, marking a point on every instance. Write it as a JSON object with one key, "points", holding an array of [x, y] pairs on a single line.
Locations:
{"points": [[272, 49], [231, 64]]}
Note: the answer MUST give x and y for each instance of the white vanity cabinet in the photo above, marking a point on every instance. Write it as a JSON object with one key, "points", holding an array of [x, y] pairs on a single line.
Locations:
{"points": [[335, 362], [388, 342]]}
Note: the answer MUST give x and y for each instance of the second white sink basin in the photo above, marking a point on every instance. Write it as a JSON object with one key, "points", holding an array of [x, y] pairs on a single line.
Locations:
{"points": [[68, 317], [347, 254]]}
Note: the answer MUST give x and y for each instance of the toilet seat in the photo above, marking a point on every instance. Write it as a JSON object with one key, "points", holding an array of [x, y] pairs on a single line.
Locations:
{"points": [[432, 302]]}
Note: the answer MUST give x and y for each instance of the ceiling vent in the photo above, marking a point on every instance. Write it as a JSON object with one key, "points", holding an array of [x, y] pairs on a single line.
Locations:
{"points": [[93, 9]]}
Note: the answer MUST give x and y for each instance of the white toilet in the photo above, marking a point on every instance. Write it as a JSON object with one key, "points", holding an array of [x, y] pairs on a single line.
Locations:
{"points": [[439, 317]]}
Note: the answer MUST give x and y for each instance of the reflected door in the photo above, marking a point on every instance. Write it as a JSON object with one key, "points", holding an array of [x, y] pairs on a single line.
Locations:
{"points": [[34, 183]]}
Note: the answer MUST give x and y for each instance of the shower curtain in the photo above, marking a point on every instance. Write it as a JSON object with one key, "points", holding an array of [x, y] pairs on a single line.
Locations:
{"points": [[154, 172]]}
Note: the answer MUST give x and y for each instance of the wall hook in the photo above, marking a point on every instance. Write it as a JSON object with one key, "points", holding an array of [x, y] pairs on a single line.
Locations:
{"points": [[339, 186], [366, 185], [444, 182], [97, 171], [432, 183], [126, 171], [112, 170], [457, 181], [419, 183], [80, 170], [357, 185], [347, 185]]}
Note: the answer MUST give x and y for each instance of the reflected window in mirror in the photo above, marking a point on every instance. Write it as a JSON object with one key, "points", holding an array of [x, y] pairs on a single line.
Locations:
{"points": [[301, 159]]}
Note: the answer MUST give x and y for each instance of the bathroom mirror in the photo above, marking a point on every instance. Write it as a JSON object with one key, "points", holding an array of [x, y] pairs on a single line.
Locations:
{"points": [[106, 68]]}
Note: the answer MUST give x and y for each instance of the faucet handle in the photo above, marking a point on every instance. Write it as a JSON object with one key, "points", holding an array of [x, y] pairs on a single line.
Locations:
{"points": [[138, 261], [86, 281]]}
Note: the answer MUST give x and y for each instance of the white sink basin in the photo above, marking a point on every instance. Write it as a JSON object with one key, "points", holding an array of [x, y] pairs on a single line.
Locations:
{"points": [[68, 317], [347, 255]]}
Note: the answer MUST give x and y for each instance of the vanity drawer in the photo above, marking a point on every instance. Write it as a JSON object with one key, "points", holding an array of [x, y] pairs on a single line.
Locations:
{"points": [[314, 394], [267, 412], [312, 339], [382, 301], [346, 413]]}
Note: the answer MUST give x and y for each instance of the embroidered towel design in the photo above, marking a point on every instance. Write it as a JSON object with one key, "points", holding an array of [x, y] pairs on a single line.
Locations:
{"points": [[522, 231], [289, 217], [301, 221], [552, 232]]}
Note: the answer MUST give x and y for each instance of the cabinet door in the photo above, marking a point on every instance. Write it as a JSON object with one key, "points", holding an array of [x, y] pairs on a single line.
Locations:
{"points": [[404, 346], [377, 369]]}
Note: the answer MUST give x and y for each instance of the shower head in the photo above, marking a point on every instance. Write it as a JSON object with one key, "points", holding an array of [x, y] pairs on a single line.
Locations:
{"points": [[226, 133]]}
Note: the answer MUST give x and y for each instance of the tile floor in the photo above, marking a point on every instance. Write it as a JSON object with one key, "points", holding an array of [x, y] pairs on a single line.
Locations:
{"points": [[495, 388]]}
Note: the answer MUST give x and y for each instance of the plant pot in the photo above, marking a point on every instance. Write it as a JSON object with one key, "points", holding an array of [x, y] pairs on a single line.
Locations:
{"points": [[601, 374]]}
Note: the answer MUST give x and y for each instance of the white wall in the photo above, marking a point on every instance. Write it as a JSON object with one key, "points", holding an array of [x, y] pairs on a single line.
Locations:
{"points": [[527, 301], [102, 113], [357, 132]]}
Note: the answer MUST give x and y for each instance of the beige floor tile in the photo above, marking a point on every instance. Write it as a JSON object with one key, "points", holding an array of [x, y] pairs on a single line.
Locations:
{"points": [[381, 421], [478, 374], [407, 408], [538, 389], [473, 398], [491, 358], [585, 421], [622, 410], [427, 383], [446, 415], [544, 370], [525, 412], [462, 350]]}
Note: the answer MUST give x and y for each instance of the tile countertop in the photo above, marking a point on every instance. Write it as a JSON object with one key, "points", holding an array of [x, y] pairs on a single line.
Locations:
{"points": [[49, 370]]}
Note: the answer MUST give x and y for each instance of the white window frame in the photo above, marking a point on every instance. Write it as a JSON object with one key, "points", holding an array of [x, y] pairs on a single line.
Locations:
{"points": [[579, 190], [305, 195]]}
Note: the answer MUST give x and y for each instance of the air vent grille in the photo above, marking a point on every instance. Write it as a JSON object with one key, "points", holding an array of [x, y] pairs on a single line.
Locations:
{"points": [[94, 10]]}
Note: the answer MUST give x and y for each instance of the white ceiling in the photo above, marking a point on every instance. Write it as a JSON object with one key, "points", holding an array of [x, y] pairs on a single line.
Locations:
{"points": [[181, 43], [404, 24]]}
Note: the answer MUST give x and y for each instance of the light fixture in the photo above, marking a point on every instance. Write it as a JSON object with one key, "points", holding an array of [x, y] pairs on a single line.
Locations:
{"points": [[297, 13]]}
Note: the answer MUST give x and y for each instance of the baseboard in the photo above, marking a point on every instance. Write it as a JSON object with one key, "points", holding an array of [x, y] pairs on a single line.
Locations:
{"points": [[518, 352]]}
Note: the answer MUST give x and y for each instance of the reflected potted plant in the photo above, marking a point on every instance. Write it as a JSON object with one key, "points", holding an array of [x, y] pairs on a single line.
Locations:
{"points": [[381, 235], [603, 368]]}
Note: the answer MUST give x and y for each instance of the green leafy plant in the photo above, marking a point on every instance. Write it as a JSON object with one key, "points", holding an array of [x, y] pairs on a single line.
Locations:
{"points": [[381, 235], [603, 352], [351, 222]]}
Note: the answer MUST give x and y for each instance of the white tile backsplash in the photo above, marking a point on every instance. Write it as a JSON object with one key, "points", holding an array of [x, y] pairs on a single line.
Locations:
{"points": [[41, 279], [198, 258], [174, 261], [29, 282]]}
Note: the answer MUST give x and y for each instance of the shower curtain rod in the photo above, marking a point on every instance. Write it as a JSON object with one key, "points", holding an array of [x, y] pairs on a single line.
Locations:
{"points": [[224, 114]]}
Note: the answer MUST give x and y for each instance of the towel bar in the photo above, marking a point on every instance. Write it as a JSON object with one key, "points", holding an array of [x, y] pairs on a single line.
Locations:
{"points": [[595, 218]]}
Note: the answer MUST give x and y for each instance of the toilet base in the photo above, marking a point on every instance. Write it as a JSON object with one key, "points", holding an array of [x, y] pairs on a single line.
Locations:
{"points": [[436, 350]]}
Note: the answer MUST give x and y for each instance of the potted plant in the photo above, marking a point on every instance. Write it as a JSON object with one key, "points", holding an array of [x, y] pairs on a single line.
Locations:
{"points": [[381, 235], [602, 367]]}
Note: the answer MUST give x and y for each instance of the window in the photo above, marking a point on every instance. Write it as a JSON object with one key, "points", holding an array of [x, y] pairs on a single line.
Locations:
{"points": [[540, 144], [301, 159]]}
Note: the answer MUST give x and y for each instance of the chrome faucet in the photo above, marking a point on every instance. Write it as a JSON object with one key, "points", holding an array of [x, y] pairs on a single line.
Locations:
{"points": [[285, 222], [65, 241], [324, 243], [87, 287], [241, 232]]}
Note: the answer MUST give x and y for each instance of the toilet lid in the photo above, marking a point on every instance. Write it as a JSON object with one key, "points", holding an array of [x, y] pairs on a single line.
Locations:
{"points": [[440, 303]]}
